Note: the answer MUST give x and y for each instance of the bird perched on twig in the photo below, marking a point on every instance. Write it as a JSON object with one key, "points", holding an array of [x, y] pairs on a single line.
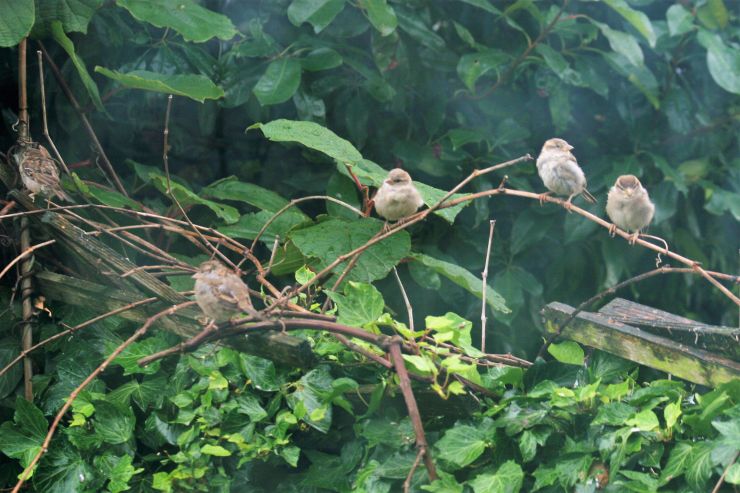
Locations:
{"points": [[220, 292], [397, 198], [39, 172], [560, 172], [628, 206]]}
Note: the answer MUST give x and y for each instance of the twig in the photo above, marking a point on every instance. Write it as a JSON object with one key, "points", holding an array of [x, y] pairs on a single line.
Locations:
{"points": [[45, 126], [724, 473], [295, 202], [394, 350], [71, 330], [111, 172], [606, 292], [484, 288], [25, 253], [165, 159], [7, 207], [410, 475], [23, 123], [100, 369]]}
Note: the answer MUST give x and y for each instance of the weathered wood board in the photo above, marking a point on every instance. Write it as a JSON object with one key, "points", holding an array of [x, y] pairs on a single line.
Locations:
{"points": [[603, 332]]}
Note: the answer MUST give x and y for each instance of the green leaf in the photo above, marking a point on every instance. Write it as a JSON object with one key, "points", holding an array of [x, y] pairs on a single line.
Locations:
{"points": [[733, 474], [671, 413], [187, 197], [279, 82], [74, 15], [121, 474], [360, 304], [723, 61], [311, 135], [623, 43], [559, 65], [699, 465], [215, 450], [22, 439], [472, 66], [638, 19], [461, 445], [113, 424], [508, 479], [9, 349], [232, 189], [62, 470], [676, 464], [567, 352], [318, 13], [450, 327], [330, 239], [321, 59], [58, 33], [679, 19], [197, 87], [483, 4], [313, 391], [16, 20], [190, 20], [381, 15], [414, 25], [464, 279], [645, 420]]}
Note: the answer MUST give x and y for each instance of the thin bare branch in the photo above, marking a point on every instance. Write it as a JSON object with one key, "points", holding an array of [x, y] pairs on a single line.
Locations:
{"points": [[25, 253], [484, 288]]}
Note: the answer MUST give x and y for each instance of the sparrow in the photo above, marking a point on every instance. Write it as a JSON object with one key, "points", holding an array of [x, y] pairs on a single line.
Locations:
{"points": [[629, 207], [39, 172], [560, 172], [220, 292], [397, 197]]}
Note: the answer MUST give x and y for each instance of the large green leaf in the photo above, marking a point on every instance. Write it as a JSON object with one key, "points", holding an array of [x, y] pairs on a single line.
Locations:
{"points": [[623, 43], [381, 16], [22, 439], [474, 65], [330, 239], [190, 20], [359, 304], [639, 20], [461, 445], [16, 20], [74, 15], [319, 13], [723, 61], [464, 279], [507, 479], [9, 349], [311, 135], [113, 424], [57, 32], [279, 82], [197, 87], [255, 195]]}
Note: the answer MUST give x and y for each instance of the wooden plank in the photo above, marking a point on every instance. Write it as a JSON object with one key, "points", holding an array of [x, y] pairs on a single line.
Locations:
{"points": [[276, 346], [721, 340], [601, 332]]}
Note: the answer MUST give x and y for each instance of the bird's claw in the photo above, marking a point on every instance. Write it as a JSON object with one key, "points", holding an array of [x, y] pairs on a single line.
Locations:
{"points": [[542, 197], [633, 237], [613, 230]]}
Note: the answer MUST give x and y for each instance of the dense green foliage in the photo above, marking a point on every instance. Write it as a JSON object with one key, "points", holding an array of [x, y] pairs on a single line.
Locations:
{"points": [[648, 87]]}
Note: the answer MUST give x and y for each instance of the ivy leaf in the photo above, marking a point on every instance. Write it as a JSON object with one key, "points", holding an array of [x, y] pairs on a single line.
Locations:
{"points": [[330, 239], [381, 16], [464, 279], [190, 20], [450, 327], [279, 82], [311, 135], [197, 87], [360, 304], [16, 20], [723, 61], [568, 352], [62, 469], [215, 450], [676, 464], [313, 389], [57, 32], [113, 424], [699, 465], [318, 13], [9, 349], [22, 439], [508, 479], [461, 445]]}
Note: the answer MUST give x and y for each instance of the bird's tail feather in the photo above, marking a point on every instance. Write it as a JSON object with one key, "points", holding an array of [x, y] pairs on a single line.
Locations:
{"points": [[589, 198]]}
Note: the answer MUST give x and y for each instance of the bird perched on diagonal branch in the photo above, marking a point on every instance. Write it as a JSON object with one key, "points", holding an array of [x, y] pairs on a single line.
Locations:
{"points": [[220, 292], [560, 172], [39, 171], [628, 206], [397, 197]]}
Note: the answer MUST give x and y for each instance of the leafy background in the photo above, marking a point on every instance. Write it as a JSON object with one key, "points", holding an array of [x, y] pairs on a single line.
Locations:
{"points": [[648, 87]]}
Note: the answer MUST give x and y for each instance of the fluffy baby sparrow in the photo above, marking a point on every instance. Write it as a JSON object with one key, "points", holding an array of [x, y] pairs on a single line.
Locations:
{"points": [[629, 206], [397, 198], [560, 172], [39, 172], [220, 292]]}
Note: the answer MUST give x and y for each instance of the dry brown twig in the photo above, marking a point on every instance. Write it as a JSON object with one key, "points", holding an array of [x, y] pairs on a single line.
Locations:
{"points": [[484, 287]]}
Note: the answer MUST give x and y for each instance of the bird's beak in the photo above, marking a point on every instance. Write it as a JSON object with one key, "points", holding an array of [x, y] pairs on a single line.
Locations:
{"points": [[196, 275], [570, 147], [629, 192]]}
